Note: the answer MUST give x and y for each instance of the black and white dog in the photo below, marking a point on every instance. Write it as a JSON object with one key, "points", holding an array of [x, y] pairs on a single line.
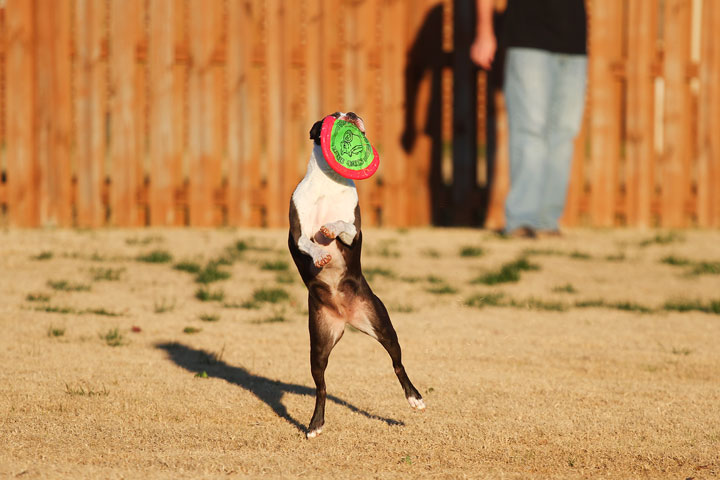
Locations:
{"points": [[325, 241]]}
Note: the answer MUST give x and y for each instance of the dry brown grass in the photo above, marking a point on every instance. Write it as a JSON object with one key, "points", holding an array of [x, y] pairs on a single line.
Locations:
{"points": [[513, 391]]}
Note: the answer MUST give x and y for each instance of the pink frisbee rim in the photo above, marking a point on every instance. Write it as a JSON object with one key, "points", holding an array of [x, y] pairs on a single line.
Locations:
{"points": [[325, 134]]}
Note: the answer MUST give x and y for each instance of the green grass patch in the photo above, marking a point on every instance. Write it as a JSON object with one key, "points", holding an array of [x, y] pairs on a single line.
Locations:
{"points": [[66, 286], [577, 255], [211, 273], [371, 273], [622, 305], [37, 297], [189, 267], [54, 309], [618, 257], [191, 330], [206, 295], [706, 268], [209, 317], [249, 305], [113, 337], [101, 311], [567, 288], [107, 274], [44, 255], [285, 278], [662, 239], [134, 241], [155, 256], [164, 305], [676, 261], [434, 279], [277, 318], [482, 300], [470, 251], [681, 351], [270, 295], [543, 251], [85, 391], [686, 305], [404, 308], [508, 273], [537, 304], [442, 290], [430, 253], [55, 331], [275, 265]]}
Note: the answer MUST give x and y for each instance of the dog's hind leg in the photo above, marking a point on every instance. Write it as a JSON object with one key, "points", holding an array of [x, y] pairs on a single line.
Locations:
{"points": [[325, 332], [375, 321]]}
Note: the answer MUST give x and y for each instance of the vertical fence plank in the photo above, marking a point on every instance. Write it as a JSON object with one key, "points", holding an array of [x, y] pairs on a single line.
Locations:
{"points": [[495, 218], [125, 31], [605, 50], [3, 76], [21, 160], [276, 93], [576, 185], [708, 207], [367, 39], [296, 144], [640, 114], [239, 106], [165, 133], [675, 160], [90, 88], [395, 188], [205, 116]]}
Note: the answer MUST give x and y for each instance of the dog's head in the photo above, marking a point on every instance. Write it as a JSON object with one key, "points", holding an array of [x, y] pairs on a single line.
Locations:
{"points": [[348, 117]]}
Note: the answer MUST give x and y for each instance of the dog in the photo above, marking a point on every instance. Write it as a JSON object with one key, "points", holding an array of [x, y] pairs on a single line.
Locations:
{"points": [[325, 241]]}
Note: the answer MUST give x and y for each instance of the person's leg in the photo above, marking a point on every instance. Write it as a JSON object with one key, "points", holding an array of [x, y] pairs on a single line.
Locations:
{"points": [[528, 82], [567, 101]]}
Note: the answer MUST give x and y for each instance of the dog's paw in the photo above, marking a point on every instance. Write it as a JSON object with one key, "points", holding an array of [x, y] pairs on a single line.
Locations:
{"points": [[322, 260], [329, 231], [416, 403], [313, 433]]}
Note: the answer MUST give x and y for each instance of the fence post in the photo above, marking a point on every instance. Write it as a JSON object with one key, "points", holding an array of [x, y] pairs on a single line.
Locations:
{"points": [[165, 127], [640, 113], [605, 50], [205, 117], [90, 110], [708, 207], [675, 159], [125, 21], [22, 180]]}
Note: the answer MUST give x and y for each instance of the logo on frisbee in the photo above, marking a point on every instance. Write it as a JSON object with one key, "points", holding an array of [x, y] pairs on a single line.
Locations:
{"points": [[347, 150]]}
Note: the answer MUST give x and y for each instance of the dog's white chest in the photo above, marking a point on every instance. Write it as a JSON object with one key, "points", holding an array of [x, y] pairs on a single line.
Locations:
{"points": [[320, 200]]}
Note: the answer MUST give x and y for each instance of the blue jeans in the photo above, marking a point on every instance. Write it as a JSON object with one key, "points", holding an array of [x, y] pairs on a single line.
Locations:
{"points": [[545, 96]]}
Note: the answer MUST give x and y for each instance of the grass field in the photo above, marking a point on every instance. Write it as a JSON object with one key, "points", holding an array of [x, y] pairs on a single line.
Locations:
{"points": [[185, 354]]}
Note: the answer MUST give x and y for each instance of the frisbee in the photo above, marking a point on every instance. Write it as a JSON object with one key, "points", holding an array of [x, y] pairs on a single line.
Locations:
{"points": [[347, 150]]}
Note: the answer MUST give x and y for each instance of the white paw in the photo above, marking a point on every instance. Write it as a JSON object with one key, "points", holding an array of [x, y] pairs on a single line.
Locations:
{"points": [[314, 433], [348, 236], [329, 231], [322, 259], [416, 403]]}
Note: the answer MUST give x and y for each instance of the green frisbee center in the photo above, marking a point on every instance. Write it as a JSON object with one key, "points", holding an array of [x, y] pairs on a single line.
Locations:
{"points": [[351, 148]]}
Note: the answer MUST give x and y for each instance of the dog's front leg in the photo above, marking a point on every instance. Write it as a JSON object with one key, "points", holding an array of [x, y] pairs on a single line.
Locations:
{"points": [[319, 255], [343, 230]]}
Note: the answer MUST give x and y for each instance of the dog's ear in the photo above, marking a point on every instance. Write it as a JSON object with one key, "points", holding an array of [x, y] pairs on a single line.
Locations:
{"points": [[315, 132]]}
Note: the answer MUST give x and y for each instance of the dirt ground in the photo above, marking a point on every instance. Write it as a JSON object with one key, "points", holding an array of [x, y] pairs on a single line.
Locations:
{"points": [[583, 368]]}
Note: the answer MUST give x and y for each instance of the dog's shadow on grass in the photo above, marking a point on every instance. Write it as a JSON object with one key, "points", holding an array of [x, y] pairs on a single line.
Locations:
{"points": [[269, 391]]}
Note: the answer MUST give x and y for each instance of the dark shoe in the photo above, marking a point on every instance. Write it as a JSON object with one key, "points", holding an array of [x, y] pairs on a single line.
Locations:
{"points": [[523, 232], [556, 233]]}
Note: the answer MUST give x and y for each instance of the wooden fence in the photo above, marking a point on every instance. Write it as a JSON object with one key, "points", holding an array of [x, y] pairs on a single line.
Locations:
{"points": [[189, 112]]}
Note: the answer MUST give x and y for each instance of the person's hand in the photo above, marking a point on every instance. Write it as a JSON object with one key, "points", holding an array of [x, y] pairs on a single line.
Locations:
{"points": [[482, 51]]}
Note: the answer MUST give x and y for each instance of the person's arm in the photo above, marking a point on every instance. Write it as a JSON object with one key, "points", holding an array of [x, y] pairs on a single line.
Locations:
{"points": [[482, 51]]}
